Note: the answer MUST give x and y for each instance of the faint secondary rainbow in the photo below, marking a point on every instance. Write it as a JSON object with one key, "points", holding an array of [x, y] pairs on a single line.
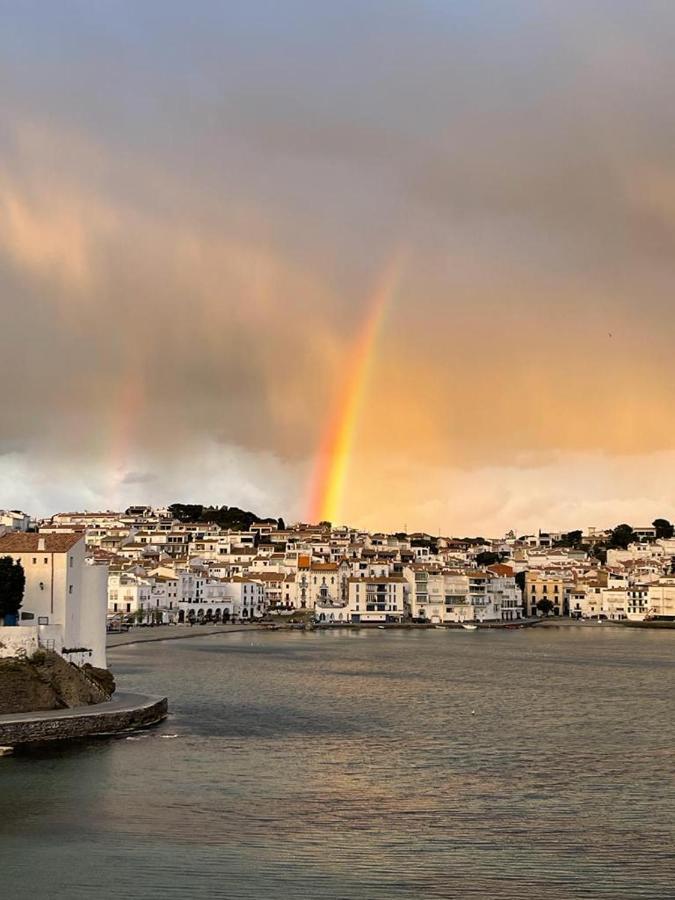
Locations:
{"points": [[126, 407], [331, 469]]}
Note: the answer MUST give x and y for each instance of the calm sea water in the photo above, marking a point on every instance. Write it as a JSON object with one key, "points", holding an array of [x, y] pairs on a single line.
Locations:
{"points": [[535, 763]]}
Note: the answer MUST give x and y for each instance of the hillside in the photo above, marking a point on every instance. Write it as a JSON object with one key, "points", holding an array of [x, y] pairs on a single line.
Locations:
{"points": [[226, 516]]}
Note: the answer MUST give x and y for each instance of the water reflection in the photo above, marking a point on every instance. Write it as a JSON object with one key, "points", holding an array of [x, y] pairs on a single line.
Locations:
{"points": [[365, 765]]}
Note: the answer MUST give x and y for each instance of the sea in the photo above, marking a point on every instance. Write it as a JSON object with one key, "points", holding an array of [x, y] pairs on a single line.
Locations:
{"points": [[364, 764]]}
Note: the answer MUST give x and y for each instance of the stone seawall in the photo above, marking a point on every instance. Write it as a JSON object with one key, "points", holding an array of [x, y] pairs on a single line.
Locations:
{"points": [[125, 712]]}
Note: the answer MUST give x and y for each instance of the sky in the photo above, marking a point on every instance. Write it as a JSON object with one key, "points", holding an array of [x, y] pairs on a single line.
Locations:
{"points": [[403, 264]]}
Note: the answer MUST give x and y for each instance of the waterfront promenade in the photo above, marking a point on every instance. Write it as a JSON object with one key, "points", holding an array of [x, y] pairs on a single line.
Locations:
{"points": [[181, 632], [173, 633]]}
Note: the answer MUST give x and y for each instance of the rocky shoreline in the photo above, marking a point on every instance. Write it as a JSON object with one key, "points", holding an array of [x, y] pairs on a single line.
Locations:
{"points": [[46, 681]]}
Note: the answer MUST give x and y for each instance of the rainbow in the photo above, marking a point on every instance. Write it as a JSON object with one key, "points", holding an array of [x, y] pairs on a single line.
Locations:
{"points": [[332, 463], [125, 407]]}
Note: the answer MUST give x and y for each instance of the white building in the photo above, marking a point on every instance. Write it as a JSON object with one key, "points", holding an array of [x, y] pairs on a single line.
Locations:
{"points": [[644, 550], [586, 602], [637, 602], [65, 597], [235, 599], [145, 598], [661, 599], [505, 595], [331, 612], [14, 520], [378, 600], [616, 604], [449, 596]]}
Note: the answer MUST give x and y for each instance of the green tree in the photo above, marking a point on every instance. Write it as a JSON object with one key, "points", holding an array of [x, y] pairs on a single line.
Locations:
{"points": [[663, 528], [430, 543], [186, 512], [226, 516], [621, 537], [544, 605], [488, 558], [12, 584], [572, 539]]}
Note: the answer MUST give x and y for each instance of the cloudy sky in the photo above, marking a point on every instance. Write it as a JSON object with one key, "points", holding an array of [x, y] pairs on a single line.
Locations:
{"points": [[197, 200]]}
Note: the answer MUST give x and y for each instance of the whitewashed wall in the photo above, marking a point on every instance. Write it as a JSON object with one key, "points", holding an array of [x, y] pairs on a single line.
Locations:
{"points": [[18, 640]]}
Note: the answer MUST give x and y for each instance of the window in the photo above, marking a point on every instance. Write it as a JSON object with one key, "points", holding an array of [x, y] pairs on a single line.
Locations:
{"points": [[70, 589], [46, 560], [35, 560], [43, 620], [42, 585], [27, 616]]}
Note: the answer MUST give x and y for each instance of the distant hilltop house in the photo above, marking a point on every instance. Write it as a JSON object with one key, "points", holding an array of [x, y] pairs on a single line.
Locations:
{"points": [[64, 601], [14, 520]]}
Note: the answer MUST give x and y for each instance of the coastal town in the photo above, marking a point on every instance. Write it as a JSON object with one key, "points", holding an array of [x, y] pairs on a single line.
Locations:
{"points": [[88, 572]]}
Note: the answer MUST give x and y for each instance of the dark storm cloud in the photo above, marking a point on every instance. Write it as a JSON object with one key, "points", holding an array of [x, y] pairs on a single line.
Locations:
{"points": [[195, 202], [138, 478]]}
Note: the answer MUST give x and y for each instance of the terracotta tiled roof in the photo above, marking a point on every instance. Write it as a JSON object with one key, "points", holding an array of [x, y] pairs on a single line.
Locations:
{"points": [[501, 569], [20, 542]]}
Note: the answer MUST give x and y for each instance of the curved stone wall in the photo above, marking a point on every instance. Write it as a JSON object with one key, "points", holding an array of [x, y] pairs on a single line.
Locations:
{"points": [[125, 712]]}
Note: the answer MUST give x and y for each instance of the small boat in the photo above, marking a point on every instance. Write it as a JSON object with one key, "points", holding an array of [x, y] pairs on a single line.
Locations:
{"points": [[467, 626]]}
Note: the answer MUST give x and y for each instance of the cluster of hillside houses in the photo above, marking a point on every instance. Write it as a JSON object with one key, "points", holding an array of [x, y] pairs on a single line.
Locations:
{"points": [[143, 566]]}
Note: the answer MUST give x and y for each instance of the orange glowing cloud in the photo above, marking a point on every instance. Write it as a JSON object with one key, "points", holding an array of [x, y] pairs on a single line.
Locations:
{"points": [[51, 234]]}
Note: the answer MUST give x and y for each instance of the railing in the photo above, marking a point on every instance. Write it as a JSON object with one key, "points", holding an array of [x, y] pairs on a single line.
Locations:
{"points": [[92, 682]]}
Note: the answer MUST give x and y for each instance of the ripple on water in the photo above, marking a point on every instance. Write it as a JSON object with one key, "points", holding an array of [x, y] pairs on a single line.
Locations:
{"points": [[360, 765]]}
